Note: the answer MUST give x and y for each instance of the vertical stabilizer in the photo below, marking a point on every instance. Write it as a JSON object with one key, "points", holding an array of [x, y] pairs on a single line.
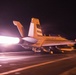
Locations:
{"points": [[20, 28], [35, 28]]}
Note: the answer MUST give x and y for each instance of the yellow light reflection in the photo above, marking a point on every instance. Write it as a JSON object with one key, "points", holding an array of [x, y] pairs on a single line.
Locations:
{"points": [[9, 40]]}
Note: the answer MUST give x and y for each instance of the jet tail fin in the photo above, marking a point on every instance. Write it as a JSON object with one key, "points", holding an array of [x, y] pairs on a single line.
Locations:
{"points": [[20, 28], [35, 28]]}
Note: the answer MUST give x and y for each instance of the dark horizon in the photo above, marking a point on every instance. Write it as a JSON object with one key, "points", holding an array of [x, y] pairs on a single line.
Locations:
{"points": [[56, 17]]}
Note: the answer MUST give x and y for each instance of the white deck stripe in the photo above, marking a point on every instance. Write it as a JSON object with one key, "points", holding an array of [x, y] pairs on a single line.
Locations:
{"points": [[32, 66]]}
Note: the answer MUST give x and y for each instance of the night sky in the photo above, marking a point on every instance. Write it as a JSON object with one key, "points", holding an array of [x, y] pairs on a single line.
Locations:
{"points": [[56, 16]]}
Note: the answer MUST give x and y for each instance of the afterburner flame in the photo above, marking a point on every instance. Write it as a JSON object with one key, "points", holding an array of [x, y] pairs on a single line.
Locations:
{"points": [[9, 40]]}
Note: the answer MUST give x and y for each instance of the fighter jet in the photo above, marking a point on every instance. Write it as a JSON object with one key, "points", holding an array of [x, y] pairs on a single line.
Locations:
{"points": [[39, 42]]}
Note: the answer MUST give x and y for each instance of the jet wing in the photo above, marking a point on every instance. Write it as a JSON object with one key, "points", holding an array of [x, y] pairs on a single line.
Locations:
{"points": [[54, 43]]}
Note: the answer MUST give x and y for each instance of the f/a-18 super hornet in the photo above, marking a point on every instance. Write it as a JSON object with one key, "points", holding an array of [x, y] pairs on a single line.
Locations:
{"points": [[39, 42]]}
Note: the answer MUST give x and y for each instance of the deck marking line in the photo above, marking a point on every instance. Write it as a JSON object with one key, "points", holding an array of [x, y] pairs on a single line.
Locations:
{"points": [[32, 66]]}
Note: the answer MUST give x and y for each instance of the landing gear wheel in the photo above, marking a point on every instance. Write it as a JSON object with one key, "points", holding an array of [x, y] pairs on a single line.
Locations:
{"points": [[51, 52]]}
